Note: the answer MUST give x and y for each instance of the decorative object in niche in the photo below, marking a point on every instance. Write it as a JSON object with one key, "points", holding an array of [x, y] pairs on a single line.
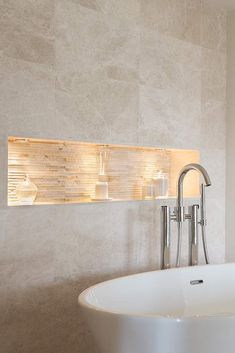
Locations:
{"points": [[69, 172], [26, 191], [162, 184], [102, 187], [149, 190], [156, 187]]}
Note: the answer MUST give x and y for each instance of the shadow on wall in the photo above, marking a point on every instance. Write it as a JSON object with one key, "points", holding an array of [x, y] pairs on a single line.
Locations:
{"points": [[144, 242], [45, 320]]}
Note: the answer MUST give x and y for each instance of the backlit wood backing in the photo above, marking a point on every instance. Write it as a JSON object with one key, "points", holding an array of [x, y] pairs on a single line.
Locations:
{"points": [[67, 171]]}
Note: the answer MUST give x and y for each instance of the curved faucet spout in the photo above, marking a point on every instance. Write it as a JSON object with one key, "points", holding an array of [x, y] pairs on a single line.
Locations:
{"points": [[184, 171], [199, 168]]}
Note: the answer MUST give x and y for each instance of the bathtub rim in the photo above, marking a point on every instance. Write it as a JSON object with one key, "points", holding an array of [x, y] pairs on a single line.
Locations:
{"points": [[83, 302]]}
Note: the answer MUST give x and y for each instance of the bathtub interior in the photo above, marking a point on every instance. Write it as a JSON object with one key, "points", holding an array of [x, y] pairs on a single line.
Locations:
{"points": [[185, 292]]}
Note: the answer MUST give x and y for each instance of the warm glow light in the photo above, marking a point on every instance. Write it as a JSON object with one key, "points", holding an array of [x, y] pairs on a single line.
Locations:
{"points": [[67, 171]]}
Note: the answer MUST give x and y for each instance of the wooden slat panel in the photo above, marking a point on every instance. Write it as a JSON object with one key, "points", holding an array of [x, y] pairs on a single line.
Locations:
{"points": [[66, 171]]}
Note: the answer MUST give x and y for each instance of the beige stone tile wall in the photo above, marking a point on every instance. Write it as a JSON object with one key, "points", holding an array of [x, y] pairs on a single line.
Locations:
{"points": [[142, 72]]}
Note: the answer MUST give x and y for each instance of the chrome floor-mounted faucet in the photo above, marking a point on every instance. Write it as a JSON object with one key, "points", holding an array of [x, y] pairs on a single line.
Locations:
{"points": [[180, 216]]}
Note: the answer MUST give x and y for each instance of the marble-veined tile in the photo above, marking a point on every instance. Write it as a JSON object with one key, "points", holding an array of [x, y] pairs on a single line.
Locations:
{"points": [[213, 78], [87, 40], [175, 18], [214, 29], [28, 16]]}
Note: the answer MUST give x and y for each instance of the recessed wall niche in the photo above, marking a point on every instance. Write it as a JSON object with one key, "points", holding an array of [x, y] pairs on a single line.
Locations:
{"points": [[68, 171]]}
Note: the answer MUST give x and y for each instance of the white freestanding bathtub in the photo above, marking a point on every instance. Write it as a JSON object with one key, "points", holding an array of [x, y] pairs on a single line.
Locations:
{"points": [[184, 310]]}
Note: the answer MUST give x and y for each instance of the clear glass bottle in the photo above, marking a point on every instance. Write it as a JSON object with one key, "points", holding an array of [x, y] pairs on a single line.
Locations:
{"points": [[102, 185], [162, 184], [102, 188], [26, 191], [149, 190]]}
